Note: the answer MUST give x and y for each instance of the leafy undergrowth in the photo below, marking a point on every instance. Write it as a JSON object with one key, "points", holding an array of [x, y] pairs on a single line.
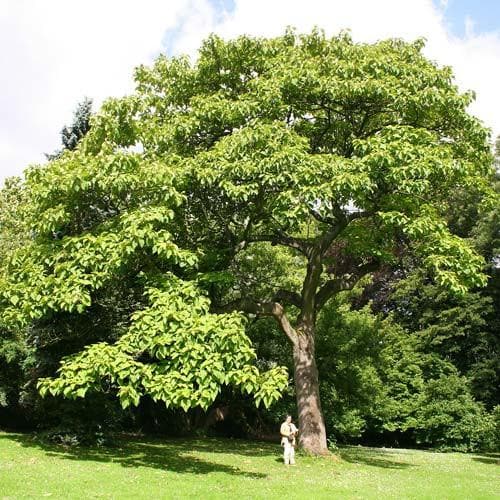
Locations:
{"points": [[218, 468]]}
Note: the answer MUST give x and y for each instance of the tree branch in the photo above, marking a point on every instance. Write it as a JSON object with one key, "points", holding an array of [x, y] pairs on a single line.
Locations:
{"points": [[327, 238], [301, 244], [346, 282], [274, 309], [288, 297], [357, 215], [329, 289], [320, 218]]}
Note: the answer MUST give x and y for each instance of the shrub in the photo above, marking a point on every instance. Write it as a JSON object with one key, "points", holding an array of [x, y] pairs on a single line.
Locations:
{"points": [[446, 416]]}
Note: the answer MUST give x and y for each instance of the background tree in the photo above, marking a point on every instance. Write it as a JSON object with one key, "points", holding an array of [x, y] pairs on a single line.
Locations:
{"points": [[71, 136], [13, 235], [343, 155]]}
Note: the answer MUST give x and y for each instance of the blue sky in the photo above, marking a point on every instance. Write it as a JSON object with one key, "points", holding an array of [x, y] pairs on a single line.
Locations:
{"points": [[224, 5], [484, 14], [56, 52]]}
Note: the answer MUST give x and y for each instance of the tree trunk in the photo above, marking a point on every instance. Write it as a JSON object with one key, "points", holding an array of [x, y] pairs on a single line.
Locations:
{"points": [[312, 433]]}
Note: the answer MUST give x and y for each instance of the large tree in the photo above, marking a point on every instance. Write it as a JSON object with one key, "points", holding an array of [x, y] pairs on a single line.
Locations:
{"points": [[344, 155]]}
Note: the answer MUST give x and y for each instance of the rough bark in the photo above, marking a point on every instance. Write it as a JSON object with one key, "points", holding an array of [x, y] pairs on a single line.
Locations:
{"points": [[312, 432]]}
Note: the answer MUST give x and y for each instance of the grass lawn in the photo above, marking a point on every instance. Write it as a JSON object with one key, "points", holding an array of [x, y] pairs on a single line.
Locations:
{"points": [[225, 468]]}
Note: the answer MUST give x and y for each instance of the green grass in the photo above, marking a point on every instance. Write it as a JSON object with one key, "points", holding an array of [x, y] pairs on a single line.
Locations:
{"points": [[218, 468]]}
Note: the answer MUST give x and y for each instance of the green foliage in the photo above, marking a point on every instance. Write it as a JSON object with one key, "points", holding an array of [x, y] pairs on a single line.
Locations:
{"points": [[463, 330], [446, 416], [13, 228], [14, 234], [271, 130], [13, 352], [350, 347], [377, 377], [486, 233], [71, 136], [81, 125], [261, 269], [496, 418], [68, 260], [175, 351]]}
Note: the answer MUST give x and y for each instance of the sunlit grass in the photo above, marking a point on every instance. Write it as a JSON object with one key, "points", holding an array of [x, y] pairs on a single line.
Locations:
{"points": [[222, 468]]}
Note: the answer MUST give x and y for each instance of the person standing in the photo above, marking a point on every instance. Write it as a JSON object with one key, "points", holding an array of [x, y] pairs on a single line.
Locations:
{"points": [[288, 432]]}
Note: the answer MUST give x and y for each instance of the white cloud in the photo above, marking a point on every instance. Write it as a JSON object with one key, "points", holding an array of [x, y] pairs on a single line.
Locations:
{"points": [[54, 53], [476, 63]]}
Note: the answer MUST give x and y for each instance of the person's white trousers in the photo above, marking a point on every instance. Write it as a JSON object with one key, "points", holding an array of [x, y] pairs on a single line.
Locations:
{"points": [[289, 453]]}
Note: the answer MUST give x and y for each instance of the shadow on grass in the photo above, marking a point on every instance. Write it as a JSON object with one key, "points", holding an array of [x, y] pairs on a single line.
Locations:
{"points": [[488, 458], [173, 455], [180, 455], [376, 457]]}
